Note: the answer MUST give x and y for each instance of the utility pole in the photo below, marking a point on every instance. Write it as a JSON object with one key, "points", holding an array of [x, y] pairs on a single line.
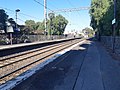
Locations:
{"points": [[45, 15], [114, 26]]}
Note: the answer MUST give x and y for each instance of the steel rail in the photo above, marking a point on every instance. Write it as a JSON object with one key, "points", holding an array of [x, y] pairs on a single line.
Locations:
{"points": [[25, 54], [30, 63], [22, 53]]}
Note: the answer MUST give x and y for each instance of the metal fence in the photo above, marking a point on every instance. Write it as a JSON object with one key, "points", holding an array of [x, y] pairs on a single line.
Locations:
{"points": [[108, 40], [5, 39]]}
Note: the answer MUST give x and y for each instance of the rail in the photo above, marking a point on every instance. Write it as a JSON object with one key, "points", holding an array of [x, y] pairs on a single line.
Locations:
{"points": [[13, 65]]}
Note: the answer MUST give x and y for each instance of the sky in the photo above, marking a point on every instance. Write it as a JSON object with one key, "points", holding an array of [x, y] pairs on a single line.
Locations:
{"points": [[30, 10]]}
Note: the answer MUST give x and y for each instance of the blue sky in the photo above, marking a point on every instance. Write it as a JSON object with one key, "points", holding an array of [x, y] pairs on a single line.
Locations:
{"points": [[77, 20]]}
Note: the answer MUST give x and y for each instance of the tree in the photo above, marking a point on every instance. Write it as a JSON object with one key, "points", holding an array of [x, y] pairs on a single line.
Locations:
{"points": [[31, 25], [34, 27], [101, 16], [51, 16], [88, 31], [56, 26], [40, 27], [118, 16], [59, 25], [3, 19]]}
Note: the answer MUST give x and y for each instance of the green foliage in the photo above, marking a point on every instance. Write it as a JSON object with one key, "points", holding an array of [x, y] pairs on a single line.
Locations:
{"points": [[55, 25], [34, 27], [31, 24], [118, 16], [88, 31], [3, 19], [102, 14], [40, 26]]}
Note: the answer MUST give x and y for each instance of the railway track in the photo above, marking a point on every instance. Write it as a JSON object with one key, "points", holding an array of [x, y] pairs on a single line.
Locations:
{"points": [[13, 65]]}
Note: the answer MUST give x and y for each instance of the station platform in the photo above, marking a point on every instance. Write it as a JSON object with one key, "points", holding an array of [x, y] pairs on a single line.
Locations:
{"points": [[99, 70], [3, 47], [6, 50], [88, 66]]}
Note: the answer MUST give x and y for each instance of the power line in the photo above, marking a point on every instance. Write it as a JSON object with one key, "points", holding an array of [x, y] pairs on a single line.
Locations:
{"points": [[57, 8], [42, 5], [19, 13], [45, 12], [46, 7], [39, 3], [20, 19], [29, 15], [72, 5]]}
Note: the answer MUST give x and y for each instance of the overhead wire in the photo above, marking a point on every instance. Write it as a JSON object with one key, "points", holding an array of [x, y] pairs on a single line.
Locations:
{"points": [[42, 5], [46, 6], [72, 5], [30, 15], [57, 8], [19, 13], [20, 19]]}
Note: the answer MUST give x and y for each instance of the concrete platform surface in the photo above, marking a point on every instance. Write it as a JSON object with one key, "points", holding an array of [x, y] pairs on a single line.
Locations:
{"points": [[86, 67], [99, 70]]}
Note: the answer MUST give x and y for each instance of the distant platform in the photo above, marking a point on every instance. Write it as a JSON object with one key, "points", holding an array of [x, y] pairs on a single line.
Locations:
{"points": [[2, 47]]}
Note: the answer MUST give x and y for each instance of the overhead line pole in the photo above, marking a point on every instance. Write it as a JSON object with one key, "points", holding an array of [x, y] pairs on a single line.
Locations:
{"points": [[45, 15]]}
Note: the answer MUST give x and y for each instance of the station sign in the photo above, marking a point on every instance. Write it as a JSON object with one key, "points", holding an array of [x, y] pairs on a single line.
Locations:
{"points": [[113, 21], [9, 27]]}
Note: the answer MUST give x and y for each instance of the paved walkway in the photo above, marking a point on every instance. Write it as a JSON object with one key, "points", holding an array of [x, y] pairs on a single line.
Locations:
{"points": [[99, 71], [88, 69]]}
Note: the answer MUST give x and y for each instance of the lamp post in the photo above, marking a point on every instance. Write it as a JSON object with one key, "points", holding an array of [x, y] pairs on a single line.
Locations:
{"points": [[16, 11], [16, 27], [114, 26]]}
